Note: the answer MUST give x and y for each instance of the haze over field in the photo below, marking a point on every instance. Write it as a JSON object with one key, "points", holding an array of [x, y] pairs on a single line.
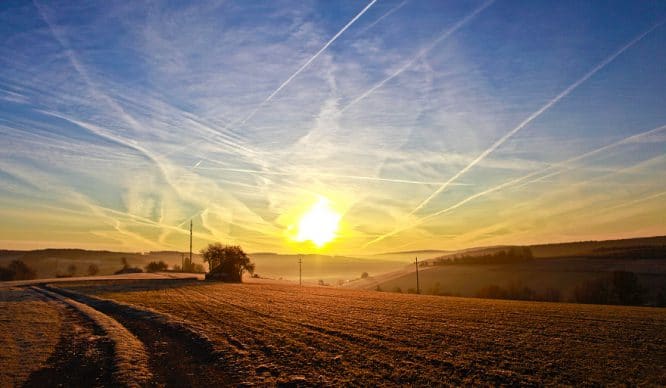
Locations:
{"points": [[348, 128]]}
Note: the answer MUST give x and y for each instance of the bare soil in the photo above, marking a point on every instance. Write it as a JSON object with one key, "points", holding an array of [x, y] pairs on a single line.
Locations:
{"points": [[83, 357], [277, 334], [198, 334]]}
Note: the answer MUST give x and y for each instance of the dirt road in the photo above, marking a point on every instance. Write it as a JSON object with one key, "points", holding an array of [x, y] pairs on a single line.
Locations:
{"points": [[100, 344]]}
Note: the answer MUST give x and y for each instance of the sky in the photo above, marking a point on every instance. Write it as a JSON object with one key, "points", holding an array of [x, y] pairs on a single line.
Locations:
{"points": [[422, 124]]}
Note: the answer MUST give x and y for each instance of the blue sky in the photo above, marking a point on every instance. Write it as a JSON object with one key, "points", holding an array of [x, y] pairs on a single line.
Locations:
{"points": [[442, 124]]}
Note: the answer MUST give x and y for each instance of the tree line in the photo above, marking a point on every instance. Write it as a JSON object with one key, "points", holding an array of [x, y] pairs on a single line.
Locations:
{"points": [[505, 256]]}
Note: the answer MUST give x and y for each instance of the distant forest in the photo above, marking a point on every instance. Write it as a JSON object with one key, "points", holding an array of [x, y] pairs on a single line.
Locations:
{"points": [[505, 256]]}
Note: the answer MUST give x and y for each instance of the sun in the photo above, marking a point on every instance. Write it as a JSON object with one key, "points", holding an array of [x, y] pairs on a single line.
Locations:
{"points": [[319, 224]]}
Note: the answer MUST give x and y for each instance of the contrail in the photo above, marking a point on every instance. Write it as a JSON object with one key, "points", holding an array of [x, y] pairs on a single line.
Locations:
{"points": [[598, 150], [639, 200], [531, 118], [518, 180], [420, 54], [307, 63], [327, 175], [389, 12]]}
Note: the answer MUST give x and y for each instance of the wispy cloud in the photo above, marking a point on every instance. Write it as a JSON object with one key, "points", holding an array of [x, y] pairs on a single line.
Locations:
{"points": [[130, 114], [532, 117], [566, 164], [308, 62]]}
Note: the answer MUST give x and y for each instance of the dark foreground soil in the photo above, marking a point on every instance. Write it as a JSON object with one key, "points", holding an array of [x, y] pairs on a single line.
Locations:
{"points": [[174, 361], [83, 357]]}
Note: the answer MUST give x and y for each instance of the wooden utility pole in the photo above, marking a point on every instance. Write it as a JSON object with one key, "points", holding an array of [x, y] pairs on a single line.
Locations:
{"points": [[300, 270], [190, 242], [416, 263]]}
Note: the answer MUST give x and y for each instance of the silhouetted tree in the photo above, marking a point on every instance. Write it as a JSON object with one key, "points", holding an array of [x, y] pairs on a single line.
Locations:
{"points": [[620, 287], [93, 269], [226, 262], [492, 291], [364, 275], [6, 274], [594, 291], [661, 299], [17, 270], [550, 295], [626, 289], [156, 266]]}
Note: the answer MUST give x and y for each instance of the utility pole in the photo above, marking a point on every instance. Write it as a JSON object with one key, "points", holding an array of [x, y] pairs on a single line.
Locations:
{"points": [[416, 263], [190, 242], [300, 270]]}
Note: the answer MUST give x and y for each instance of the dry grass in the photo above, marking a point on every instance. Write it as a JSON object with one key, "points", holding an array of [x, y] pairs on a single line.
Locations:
{"points": [[29, 333], [276, 333], [130, 358]]}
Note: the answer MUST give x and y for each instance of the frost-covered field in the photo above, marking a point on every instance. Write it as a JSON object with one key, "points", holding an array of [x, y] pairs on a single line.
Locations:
{"points": [[202, 334]]}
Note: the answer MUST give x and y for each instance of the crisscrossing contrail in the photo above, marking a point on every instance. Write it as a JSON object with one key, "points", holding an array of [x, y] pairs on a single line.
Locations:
{"points": [[523, 179], [308, 62], [531, 118]]}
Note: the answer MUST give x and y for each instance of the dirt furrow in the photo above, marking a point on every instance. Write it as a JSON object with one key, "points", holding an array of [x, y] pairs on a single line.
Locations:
{"points": [[178, 355], [83, 355], [129, 355]]}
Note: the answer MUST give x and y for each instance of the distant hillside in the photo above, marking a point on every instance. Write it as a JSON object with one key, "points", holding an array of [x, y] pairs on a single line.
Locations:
{"points": [[408, 256], [330, 269], [557, 271], [50, 262], [581, 248]]}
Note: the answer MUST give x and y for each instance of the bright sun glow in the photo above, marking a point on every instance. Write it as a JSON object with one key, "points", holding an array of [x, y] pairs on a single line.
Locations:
{"points": [[319, 224]]}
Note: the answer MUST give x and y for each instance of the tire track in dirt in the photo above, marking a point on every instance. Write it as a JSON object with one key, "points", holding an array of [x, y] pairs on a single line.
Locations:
{"points": [[83, 355], [130, 361], [177, 354]]}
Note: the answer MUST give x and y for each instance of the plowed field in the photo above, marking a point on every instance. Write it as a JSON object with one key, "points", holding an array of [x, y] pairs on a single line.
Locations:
{"points": [[267, 333]]}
